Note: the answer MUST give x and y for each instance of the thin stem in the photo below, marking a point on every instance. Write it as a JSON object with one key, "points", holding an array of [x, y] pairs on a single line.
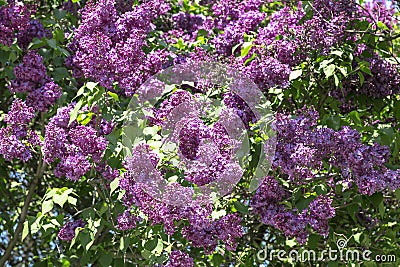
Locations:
{"points": [[13, 242]]}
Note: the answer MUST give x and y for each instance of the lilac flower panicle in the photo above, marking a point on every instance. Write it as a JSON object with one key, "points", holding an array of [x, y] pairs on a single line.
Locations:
{"points": [[67, 232], [16, 139], [127, 221], [76, 146], [178, 258]]}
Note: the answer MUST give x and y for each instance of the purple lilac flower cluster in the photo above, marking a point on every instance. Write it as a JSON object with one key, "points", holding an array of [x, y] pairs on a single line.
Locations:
{"points": [[381, 10], [127, 221], [235, 18], [285, 41], [16, 139], [14, 17], [67, 232], [383, 81], [266, 203], [232, 100], [71, 7], [302, 148], [319, 212], [72, 144], [31, 78], [108, 46], [35, 30], [202, 231], [178, 258]]}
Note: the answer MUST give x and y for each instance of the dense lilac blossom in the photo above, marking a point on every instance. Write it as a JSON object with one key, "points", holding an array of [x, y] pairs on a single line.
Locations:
{"points": [[381, 10], [127, 221], [13, 17], [268, 72], [16, 139], [35, 30], [189, 23], [266, 204], [31, 78], [30, 74], [207, 234], [202, 230], [67, 232], [320, 210], [302, 148], [235, 30], [45, 96], [76, 146], [108, 46], [190, 137], [178, 258]]}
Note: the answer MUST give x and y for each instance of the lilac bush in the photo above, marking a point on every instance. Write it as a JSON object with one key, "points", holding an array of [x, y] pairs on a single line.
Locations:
{"points": [[174, 182]]}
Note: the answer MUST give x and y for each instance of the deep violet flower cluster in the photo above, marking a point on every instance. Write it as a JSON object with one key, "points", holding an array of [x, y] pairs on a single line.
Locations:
{"points": [[35, 30], [14, 17], [178, 258], [205, 150], [202, 230], [384, 81], [71, 7], [108, 47], [266, 203], [73, 145], [381, 10], [302, 148], [285, 41], [67, 232], [127, 221], [31, 78], [16, 139]]}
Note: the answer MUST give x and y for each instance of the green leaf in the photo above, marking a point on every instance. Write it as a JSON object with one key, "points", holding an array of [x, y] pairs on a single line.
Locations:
{"points": [[377, 199], [329, 70], [355, 117], [217, 259], [295, 74], [52, 43], [337, 53], [357, 237], [59, 74], [291, 242], [382, 25], [246, 48], [106, 259], [151, 244], [74, 113], [72, 200], [113, 95], [241, 208], [60, 199], [47, 206], [352, 209], [91, 85], [124, 243], [336, 78], [25, 230], [86, 239], [362, 78], [58, 34], [114, 185], [365, 67]]}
